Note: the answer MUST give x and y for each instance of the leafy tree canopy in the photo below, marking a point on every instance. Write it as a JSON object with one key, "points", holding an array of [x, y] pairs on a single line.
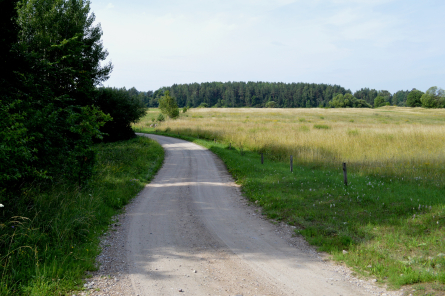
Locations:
{"points": [[413, 99], [168, 105], [125, 107], [433, 98], [379, 101], [348, 101]]}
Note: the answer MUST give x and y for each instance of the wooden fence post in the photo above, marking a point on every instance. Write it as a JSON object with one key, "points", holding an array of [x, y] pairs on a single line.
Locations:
{"points": [[291, 164], [345, 174]]}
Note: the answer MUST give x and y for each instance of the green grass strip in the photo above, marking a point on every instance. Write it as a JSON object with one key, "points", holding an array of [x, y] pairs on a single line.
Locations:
{"points": [[392, 229], [49, 248]]}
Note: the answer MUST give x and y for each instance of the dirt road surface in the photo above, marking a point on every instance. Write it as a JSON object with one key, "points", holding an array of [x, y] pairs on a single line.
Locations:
{"points": [[190, 232]]}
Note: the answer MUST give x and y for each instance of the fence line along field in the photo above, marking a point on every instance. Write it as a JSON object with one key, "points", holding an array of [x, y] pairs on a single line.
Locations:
{"points": [[387, 223], [389, 141]]}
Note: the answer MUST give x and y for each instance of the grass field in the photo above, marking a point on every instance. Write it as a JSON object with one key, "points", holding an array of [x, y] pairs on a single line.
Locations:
{"points": [[403, 142], [47, 249], [389, 220]]}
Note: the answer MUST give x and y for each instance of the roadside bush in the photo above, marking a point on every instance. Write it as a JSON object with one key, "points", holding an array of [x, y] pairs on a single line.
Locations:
{"points": [[124, 108]]}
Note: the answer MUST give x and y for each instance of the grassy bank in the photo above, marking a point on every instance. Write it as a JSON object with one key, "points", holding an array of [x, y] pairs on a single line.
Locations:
{"points": [[52, 239], [392, 229]]}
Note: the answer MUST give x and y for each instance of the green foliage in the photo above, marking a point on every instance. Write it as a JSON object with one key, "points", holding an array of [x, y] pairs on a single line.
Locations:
{"points": [[184, 109], [168, 105], [413, 99], [50, 69], [47, 141], [348, 101], [62, 34], [253, 94], [15, 153], [321, 126], [433, 98], [379, 101], [387, 97], [47, 246], [124, 108], [367, 95], [400, 98], [203, 105], [271, 104], [257, 94], [160, 117]]}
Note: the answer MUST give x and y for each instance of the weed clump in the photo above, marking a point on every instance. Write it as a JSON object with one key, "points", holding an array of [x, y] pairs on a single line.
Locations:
{"points": [[321, 126], [353, 132], [160, 117]]}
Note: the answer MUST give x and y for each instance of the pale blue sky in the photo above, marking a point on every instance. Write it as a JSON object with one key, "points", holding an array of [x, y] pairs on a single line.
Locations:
{"points": [[382, 44]]}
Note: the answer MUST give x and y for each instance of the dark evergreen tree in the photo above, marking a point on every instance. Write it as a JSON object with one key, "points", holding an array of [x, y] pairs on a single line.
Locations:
{"points": [[50, 69], [254, 94]]}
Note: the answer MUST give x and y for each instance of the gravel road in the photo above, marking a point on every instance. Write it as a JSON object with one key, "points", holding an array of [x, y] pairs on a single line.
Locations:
{"points": [[191, 232]]}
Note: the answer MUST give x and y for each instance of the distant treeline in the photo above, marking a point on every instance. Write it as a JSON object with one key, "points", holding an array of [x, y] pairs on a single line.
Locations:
{"points": [[258, 94]]}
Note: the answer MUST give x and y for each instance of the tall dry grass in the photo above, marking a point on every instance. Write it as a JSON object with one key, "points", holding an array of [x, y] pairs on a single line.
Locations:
{"points": [[404, 142]]}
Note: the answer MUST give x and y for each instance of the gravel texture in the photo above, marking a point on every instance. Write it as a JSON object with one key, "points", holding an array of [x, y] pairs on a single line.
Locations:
{"points": [[190, 232]]}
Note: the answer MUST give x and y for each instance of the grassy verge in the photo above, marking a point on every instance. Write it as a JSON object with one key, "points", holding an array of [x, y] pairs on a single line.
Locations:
{"points": [[391, 229], [47, 249]]}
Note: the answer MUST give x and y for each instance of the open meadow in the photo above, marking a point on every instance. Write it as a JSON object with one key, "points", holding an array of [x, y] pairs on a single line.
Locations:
{"points": [[404, 142], [386, 224]]}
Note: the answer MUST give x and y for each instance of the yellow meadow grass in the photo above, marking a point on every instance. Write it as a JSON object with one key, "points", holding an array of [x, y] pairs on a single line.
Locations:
{"points": [[391, 140]]}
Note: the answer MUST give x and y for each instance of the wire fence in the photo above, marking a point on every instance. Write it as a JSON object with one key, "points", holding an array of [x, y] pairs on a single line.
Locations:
{"points": [[422, 171]]}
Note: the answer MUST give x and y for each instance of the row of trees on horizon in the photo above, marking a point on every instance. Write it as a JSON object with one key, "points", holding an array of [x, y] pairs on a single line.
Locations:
{"points": [[283, 95]]}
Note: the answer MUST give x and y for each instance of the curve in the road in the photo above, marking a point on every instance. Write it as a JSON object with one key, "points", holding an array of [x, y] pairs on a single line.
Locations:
{"points": [[192, 233]]}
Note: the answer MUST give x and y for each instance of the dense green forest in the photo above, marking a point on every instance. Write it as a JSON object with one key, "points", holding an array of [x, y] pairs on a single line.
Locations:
{"points": [[55, 192], [258, 94], [51, 105]]}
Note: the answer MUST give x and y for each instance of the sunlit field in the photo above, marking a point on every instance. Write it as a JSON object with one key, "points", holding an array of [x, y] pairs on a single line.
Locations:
{"points": [[390, 217], [390, 141]]}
